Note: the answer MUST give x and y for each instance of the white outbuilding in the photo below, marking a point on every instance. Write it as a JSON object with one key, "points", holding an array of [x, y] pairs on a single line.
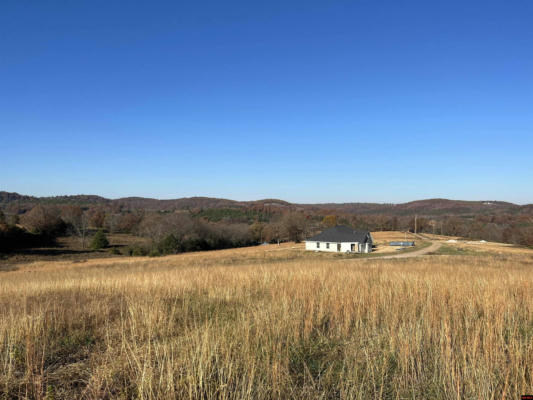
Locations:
{"points": [[341, 239]]}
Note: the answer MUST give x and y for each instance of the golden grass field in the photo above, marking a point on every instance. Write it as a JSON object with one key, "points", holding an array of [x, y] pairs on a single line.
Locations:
{"points": [[270, 322]]}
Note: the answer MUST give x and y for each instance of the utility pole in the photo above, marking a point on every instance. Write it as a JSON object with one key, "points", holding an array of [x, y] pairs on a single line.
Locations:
{"points": [[415, 223]]}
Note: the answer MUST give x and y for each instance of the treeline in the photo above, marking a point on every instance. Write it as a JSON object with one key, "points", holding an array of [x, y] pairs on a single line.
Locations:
{"points": [[505, 228], [166, 232], [172, 233], [182, 231], [14, 236]]}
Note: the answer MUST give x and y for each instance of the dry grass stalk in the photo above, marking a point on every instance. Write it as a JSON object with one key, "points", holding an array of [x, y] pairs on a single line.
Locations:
{"points": [[255, 324]]}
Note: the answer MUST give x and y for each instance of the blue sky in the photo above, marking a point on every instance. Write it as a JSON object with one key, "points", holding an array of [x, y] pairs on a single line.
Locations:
{"points": [[332, 101]]}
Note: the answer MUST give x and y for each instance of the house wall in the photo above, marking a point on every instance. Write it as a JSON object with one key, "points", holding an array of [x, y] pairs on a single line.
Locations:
{"points": [[366, 248], [345, 246], [310, 245]]}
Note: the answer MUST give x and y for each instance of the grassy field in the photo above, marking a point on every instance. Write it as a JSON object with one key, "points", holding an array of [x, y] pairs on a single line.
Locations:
{"points": [[269, 322], [70, 248]]}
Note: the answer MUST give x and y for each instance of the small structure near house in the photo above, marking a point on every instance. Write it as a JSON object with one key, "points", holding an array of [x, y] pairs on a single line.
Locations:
{"points": [[341, 239], [402, 244]]}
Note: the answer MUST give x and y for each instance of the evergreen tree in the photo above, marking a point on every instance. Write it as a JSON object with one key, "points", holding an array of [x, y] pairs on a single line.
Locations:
{"points": [[99, 240]]}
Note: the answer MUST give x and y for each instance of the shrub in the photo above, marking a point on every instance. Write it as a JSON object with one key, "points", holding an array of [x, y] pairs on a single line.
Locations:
{"points": [[135, 251], [114, 251], [138, 251], [13, 238], [154, 253], [99, 240], [44, 221], [169, 245]]}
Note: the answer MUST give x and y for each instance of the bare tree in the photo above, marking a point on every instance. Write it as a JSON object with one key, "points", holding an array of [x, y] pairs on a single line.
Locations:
{"points": [[112, 221], [156, 226], [78, 222], [129, 221], [153, 227], [274, 232]]}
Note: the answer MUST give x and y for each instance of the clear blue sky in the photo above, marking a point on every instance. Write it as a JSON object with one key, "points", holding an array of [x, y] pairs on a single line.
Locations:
{"points": [[384, 101]]}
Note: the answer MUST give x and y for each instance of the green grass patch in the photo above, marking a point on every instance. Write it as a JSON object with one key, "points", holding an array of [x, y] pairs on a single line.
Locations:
{"points": [[446, 250]]}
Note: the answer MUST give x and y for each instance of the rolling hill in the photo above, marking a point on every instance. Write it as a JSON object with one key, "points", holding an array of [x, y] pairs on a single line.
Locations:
{"points": [[429, 207]]}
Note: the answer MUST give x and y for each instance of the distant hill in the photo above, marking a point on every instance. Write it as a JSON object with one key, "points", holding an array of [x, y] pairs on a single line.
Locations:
{"points": [[426, 207], [429, 207]]}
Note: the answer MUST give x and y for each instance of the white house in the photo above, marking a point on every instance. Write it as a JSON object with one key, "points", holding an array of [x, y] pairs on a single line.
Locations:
{"points": [[341, 239]]}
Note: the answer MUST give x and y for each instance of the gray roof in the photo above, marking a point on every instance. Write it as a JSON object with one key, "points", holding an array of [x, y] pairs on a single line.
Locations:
{"points": [[342, 233]]}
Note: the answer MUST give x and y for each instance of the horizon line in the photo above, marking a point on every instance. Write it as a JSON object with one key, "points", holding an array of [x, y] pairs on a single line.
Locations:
{"points": [[265, 198]]}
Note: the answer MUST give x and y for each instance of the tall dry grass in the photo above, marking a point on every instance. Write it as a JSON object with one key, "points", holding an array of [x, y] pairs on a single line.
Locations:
{"points": [[235, 325]]}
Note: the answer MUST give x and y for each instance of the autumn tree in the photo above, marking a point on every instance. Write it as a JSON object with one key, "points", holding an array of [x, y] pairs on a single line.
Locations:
{"points": [[507, 234], [96, 218], [476, 230], [382, 223], [329, 221], [274, 232], [257, 231], [358, 222], [126, 222], [527, 236], [43, 220], [453, 226], [129, 221], [156, 226], [294, 224]]}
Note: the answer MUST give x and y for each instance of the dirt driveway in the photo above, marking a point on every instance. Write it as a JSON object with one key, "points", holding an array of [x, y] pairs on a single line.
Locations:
{"points": [[433, 247]]}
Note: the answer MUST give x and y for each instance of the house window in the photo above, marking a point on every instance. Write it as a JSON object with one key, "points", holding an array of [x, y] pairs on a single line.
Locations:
{"points": [[327, 245], [318, 245]]}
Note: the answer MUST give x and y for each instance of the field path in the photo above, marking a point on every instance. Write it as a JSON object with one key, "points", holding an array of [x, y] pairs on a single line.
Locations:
{"points": [[433, 247]]}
